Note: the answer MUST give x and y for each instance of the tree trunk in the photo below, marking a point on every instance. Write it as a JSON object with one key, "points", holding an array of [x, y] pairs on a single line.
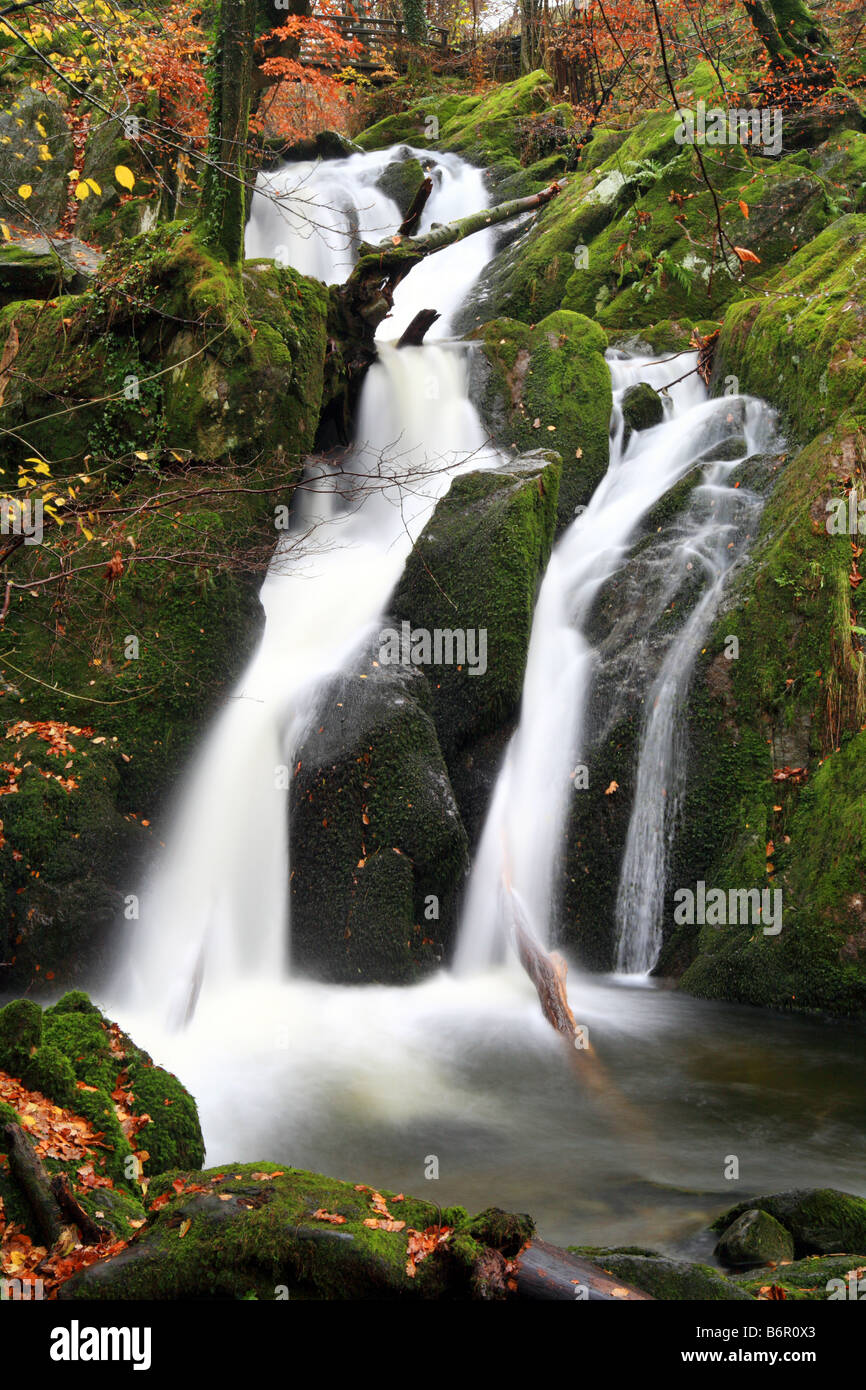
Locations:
{"points": [[530, 35], [223, 186], [548, 1272], [793, 36], [415, 21]]}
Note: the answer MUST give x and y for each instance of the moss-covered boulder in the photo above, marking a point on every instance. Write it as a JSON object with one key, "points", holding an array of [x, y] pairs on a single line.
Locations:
{"points": [[664, 1278], [401, 180], [77, 1058], [261, 1231], [821, 1220], [642, 408], [28, 274], [549, 386], [755, 1238], [476, 569], [36, 154], [378, 852], [113, 212]]}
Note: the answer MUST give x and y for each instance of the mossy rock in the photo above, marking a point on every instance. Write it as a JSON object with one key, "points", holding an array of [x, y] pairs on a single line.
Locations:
{"points": [[401, 181], [816, 1279], [642, 408], [794, 699], [110, 215], [261, 1231], [664, 1278], [821, 1220], [802, 346], [378, 852], [31, 274], [755, 1238], [477, 566], [76, 1058], [549, 386]]}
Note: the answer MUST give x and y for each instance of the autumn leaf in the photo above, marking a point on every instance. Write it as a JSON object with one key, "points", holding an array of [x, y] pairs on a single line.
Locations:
{"points": [[614, 787], [125, 177], [334, 1219], [184, 1227], [744, 209], [746, 255], [24, 191], [380, 1224]]}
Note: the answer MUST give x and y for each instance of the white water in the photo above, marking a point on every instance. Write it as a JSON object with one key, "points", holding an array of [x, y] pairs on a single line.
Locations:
{"points": [[709, 546], [365, 1083], [313, 217], [523, 833], [216, 909]]}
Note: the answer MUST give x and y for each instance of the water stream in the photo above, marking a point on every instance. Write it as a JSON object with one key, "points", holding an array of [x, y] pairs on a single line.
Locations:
{"points": [[368, 1082]]}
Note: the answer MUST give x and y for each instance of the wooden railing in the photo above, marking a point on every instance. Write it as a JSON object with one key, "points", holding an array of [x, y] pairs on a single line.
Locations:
{"points": [[380, 39]]}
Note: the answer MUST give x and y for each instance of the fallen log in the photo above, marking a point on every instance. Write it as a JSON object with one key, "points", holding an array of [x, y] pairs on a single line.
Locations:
{"points": [[548, 1272], [413, 336]]}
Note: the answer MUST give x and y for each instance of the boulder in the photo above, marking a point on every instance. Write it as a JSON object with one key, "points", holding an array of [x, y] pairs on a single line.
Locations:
{"points": [[755, 1238], [642, 408], [821, 1220], [401, 180], [665, 1278], [378, 852], [476, 569], [815, 1279], [36, 152], [549, 387]]}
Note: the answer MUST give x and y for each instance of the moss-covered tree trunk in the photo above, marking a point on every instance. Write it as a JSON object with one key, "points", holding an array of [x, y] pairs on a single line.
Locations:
{"points": [[415, 21], [792, 34], [223, 185]]}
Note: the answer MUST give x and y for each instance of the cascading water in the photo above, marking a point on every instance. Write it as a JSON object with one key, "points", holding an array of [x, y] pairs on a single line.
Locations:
{"points": [[520, 844], [366, 1082], [216, 910]]}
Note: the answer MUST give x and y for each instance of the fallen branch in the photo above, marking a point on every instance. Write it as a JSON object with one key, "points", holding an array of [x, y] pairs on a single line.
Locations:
{"points": [[28, 1172], [413, 336], [419, 202], [91, 1232]]}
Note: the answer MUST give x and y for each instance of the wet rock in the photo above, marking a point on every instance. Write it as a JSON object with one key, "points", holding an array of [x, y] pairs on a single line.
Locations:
{"points": [[642, 408], [821, 1220], [664, 1278], [377, 849], [401, 179], [755, 1238]]}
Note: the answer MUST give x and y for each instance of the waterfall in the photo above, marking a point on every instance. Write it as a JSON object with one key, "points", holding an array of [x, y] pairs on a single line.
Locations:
{"points": [[216, 907], [523, 834]]}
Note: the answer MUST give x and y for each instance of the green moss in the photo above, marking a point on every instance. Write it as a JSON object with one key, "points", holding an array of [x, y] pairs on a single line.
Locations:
{"points": [[822, 1220], [173, 1137], [477, 566], [793, 699], [801, 346], [553, 374], [264, 1241], [663, 1278], [813, 1280], [20, 1031]]}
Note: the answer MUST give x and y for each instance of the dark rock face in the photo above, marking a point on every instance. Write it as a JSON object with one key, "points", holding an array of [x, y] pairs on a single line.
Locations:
{"points": [[377, 849]]}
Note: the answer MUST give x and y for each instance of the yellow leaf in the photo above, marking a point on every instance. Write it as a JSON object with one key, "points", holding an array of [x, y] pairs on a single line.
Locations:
{"points": [[44, 152], [93, 186], [24, 191], [43, 468], [184, 1227], [42, 131], [82, 192], [88, 535], [7, 235], [125, 177], [140, 455]]}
